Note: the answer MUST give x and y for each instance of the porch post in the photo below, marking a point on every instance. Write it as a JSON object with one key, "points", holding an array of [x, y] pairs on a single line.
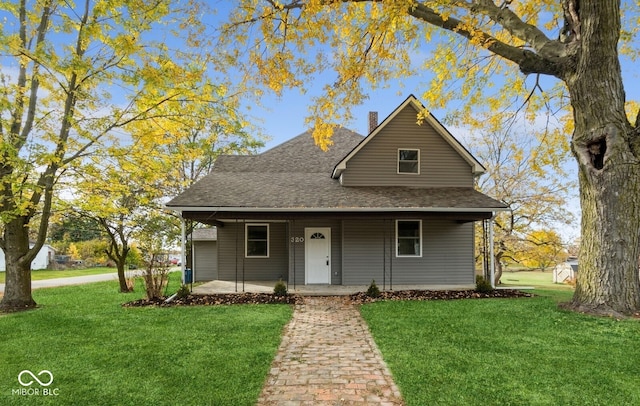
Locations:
{"points": [[236, 254], [384, 254], [491, 257], [183, 247], [244, 233], [393, 246], [293, 245]]}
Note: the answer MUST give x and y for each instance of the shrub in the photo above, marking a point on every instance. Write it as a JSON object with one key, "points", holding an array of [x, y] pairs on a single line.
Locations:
{"points": [[131, 281], [183, 292], [483, 285], [280, 289], [156, 276], [373, 290]]}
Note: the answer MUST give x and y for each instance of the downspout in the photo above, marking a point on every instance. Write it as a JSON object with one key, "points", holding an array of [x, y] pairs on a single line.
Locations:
{"points": [[491, 257]]}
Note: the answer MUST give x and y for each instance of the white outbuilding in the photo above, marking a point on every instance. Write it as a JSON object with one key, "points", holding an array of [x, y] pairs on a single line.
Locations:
{"points": [[566, 272], [41, 261]]}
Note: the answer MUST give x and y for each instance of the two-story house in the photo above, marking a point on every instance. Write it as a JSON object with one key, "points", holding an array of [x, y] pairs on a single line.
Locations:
{"points": [[397, 206]]}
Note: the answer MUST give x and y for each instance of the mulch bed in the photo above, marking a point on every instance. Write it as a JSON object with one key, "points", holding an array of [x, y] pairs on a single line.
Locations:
{"points": [[439, 295], [217, 299], [358, 298]]}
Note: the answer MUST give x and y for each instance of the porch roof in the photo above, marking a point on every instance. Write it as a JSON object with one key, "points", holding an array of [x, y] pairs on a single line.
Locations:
{"points": [[317, 193]]}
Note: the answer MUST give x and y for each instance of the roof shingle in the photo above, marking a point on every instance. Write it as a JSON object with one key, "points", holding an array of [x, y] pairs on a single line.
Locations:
{"points": [[297, 175]]}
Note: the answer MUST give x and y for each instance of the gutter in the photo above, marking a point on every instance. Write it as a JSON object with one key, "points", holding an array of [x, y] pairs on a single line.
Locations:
{"points": [[182, 209]]}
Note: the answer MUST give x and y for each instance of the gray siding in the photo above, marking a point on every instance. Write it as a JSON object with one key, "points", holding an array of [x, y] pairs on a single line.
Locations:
{"points": [[232, 263], [365, 256], [376, 163], [205, 261], [297, 250], [447, 254]]}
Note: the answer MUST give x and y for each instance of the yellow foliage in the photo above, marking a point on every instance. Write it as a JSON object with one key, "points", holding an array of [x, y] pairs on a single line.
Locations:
{"points": [[73, 251], [370, 44]]}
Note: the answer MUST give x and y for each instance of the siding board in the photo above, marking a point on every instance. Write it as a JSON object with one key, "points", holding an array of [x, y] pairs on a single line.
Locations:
{"points": [[376, 163], [447, 254], [232, 264], [205, 261]]}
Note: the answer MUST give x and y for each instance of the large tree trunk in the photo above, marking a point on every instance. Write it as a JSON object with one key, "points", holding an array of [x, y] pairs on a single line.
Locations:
{"points": [[608, 261], [604, 143], [18, 257]]}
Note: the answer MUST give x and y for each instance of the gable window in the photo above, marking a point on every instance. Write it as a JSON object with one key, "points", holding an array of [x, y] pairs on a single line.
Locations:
{"points": [[409, 238], [409, 161], [257, 240]]}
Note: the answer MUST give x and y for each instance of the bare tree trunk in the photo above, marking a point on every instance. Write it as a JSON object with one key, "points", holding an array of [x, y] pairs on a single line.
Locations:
{"points": [[18, 257], [122, 278], [120, 259], [498, 265]]}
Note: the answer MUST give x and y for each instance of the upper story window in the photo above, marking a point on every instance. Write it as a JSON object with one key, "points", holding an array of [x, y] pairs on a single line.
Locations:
{"points": [[409, 238], [409, 161], [257, 240]]}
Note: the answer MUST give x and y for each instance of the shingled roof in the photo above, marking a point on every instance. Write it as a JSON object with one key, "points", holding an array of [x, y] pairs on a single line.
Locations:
{"points": [[296, 176]]}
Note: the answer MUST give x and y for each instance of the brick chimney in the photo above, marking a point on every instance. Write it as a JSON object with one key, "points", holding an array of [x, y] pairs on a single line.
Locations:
{"points": [[373, 121]]}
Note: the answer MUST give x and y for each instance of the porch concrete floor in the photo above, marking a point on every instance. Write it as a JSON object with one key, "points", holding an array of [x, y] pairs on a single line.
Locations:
{"points": [[216, 287]]}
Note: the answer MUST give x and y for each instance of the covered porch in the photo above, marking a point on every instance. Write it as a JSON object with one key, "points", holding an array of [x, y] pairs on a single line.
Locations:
{"points": [[225, 287]]}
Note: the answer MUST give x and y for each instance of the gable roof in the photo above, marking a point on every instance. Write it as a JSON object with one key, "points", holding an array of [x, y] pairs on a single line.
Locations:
{"points": [[294, 177], [412, 101]]}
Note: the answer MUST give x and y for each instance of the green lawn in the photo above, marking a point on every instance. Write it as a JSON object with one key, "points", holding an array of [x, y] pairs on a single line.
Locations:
{"points": [[50, 274], [537, 279], [506, 351], [103, 354]]}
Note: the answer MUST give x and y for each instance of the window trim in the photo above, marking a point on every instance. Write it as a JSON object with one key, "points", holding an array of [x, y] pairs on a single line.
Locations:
{"points": [[420, 238], [246, 239], [398, 161]]}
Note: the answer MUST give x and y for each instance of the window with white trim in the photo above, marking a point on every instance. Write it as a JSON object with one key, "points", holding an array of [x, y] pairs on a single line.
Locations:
{"points": [[409, 238], [256, 240], [409, 161]]}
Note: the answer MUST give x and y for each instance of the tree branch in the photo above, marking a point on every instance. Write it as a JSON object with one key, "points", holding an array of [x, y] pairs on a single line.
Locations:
{"points": [[510, 21], [528, 61]]}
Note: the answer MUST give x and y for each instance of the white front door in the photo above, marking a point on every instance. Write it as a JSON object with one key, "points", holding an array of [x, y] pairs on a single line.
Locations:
{"points": [[317, 255]]}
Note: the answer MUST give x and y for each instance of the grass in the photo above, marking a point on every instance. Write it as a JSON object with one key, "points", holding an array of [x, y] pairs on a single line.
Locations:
{"points": [[506, 351], [537, 279], [103, 354], [51, 274]]}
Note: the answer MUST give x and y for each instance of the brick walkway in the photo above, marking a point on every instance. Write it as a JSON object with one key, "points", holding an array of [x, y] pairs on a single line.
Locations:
{"points": [[328, 357]]}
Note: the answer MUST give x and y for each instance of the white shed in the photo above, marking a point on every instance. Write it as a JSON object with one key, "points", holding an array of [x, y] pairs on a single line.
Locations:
{"points": [[566, 271], [41, 261]]}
